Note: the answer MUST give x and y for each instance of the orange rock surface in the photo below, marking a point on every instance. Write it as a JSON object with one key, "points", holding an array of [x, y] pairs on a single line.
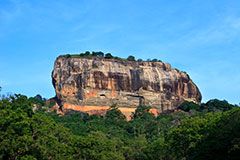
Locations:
{"points": [[91, 85], [100, 110]]}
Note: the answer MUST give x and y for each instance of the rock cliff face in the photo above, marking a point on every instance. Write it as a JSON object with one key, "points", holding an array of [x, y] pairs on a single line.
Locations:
{"points": [[92, 85]]}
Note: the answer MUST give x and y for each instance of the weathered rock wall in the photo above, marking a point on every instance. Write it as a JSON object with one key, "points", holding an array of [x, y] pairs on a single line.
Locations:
{"points": [[98, 82]]}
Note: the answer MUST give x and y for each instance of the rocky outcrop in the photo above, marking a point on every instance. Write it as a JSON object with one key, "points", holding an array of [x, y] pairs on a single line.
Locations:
{"points": [[93, 84]]}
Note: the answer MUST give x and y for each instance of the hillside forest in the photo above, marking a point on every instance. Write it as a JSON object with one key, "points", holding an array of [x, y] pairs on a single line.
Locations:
{"points": [[29, 130]]}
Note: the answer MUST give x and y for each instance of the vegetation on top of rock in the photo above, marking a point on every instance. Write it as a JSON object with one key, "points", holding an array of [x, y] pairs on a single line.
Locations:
{"points": [[131, 58], [100, 54], [108, 56]]}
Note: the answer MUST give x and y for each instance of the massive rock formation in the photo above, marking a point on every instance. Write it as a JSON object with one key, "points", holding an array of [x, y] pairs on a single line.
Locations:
{"points": [[93, 84]]}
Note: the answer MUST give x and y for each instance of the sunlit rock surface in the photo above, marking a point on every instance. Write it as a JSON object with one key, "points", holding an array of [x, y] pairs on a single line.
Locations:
{"points": [[92, 85]]}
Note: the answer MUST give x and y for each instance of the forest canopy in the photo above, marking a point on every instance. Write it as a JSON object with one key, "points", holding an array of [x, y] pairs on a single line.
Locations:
{"points": [[206, 131]]}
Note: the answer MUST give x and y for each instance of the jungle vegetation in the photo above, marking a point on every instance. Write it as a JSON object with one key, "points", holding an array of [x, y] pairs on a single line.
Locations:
{"points": [[28, 130]]}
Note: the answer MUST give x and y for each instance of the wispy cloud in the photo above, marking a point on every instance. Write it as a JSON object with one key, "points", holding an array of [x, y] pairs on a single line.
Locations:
{"points": [[219, 32]]}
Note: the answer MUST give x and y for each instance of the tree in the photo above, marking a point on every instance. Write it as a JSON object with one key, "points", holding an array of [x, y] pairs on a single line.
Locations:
{"points": [[98, 54], [142, 112], [158, 150], [154, 60], [183, 138], [217, 105], [115, 116], [131, 58], [222, 139], [135, 148], [25, 134], [187, 106], [37, 100], [87, 53], [97, 145], [67, 55], [142, 122], [82, 54], [108, 56]]}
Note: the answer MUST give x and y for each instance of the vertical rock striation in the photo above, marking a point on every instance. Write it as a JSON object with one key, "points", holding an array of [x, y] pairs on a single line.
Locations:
{"points": [[93, 84]]}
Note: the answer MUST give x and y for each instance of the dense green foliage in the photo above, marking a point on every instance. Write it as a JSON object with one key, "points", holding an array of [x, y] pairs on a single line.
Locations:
{"points": [[131, 58], [213, 105], [195, 133]]}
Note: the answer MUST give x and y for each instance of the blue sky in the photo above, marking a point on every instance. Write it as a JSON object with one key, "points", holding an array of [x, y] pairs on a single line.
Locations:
{"points": [[199, 37]]}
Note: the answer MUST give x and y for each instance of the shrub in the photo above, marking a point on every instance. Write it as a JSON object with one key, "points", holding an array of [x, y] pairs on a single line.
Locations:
{"points": [[154, 60], [187, 106], [87, 53], [67, 55], [131, 58], [218, 105], [108, 56], [98, 54]]}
